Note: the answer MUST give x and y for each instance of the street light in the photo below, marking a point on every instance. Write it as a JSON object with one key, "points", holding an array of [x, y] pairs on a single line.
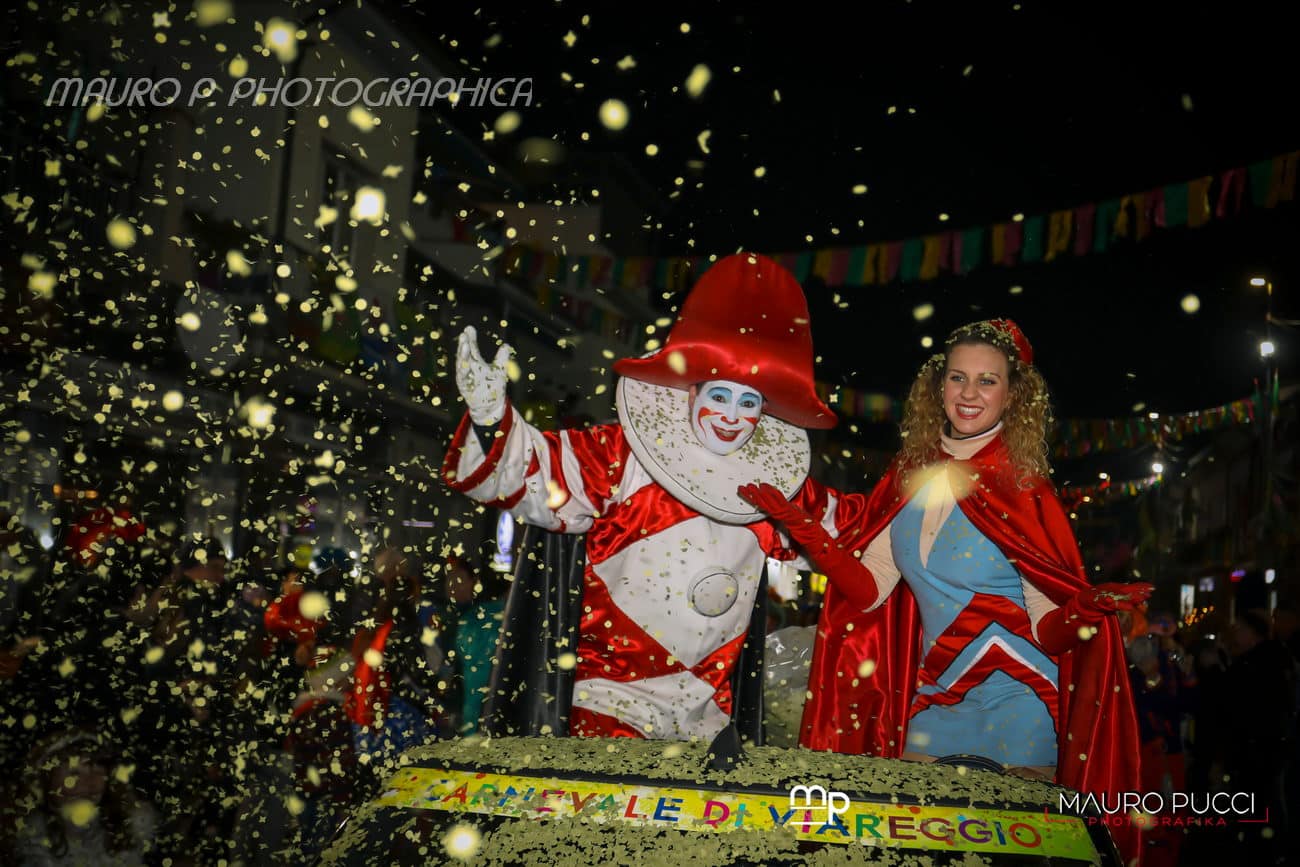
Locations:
{"points": [[1266, 349]]}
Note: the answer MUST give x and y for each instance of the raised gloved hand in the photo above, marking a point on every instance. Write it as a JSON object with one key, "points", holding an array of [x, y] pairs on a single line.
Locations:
{"points": [[482, 385], [837, 563], [1061, 628]]}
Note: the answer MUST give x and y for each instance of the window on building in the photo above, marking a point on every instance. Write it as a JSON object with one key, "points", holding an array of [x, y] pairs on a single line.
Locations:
{"points": [[339, 184]]}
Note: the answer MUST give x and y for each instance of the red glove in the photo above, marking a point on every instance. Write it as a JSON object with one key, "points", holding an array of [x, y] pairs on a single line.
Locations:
{"points": [[850, 575], [1061, 628]]}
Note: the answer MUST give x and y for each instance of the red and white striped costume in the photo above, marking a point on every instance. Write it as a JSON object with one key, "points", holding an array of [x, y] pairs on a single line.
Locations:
{"points": [[650, 663]]}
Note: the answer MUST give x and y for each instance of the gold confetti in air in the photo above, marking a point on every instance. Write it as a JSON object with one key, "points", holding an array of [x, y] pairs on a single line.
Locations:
{"points": [[42, 283], [698, 80], [1190, 304], [369, 205], [613, 114], [237, 264], [508, 122], [238, 67], [212, 12], [281, 38], [859, 189], [362, 119], [260, 414], [462, 842], [927, 341], [80, 812], [760, 171], [512, 370], [922, 312], [677, 362], [190, 321], [313, 605], [566, 661], [555, 495], [373, 657], [866, 668]]}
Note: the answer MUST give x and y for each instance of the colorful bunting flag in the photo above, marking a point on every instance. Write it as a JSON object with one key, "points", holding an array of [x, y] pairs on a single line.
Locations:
{"points": [[1086, 228]]}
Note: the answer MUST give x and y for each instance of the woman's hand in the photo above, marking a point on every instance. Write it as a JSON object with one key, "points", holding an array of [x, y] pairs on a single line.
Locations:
{"points": [[1063, 628]]}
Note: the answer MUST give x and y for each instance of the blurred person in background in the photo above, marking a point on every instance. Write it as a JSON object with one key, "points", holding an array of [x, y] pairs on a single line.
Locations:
{"points": [[396, 690], [478, 597], [1258, 747], [78, 806]]}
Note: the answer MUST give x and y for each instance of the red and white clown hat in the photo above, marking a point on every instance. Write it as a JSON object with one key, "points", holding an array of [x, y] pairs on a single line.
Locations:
{"points": [[745, 321]]}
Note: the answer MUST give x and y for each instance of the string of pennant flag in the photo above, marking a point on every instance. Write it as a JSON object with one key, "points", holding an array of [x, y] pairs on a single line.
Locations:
{"points": [[1076, 231], [1073, 496], [1079, 437]]}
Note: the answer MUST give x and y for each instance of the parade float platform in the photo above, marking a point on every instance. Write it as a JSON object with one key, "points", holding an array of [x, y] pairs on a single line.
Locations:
{"points": [[561, 801]]}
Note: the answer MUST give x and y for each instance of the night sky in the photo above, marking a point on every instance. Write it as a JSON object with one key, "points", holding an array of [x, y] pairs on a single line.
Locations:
{"points": [[976, 110]]}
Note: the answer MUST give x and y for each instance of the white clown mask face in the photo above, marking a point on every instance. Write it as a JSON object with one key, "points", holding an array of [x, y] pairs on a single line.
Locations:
{"points": [[724, 414]]}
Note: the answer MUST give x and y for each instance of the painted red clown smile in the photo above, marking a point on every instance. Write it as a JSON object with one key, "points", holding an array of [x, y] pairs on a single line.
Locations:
{"points": [[725, 435]]}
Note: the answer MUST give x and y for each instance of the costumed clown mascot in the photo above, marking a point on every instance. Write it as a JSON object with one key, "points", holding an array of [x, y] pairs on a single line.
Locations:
{"points": [[674, 556], [958, 618]]}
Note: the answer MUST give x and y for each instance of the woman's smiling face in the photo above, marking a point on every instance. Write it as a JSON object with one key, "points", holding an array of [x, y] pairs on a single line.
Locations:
{"points": [[976, 388]]}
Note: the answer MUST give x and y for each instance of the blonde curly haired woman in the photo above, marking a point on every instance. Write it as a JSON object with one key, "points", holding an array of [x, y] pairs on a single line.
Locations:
{"points": [[959, 619]]}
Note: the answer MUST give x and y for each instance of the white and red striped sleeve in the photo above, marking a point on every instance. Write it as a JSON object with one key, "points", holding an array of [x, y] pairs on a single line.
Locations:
{"points": [[561, 481]]}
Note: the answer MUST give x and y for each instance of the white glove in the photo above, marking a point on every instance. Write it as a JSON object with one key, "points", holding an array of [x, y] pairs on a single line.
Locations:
{"points": [[482, 385]]}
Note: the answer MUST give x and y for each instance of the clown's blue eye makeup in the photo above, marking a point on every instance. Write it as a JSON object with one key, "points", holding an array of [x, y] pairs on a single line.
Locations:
{"points": [[749, 400], [718, 394]]}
